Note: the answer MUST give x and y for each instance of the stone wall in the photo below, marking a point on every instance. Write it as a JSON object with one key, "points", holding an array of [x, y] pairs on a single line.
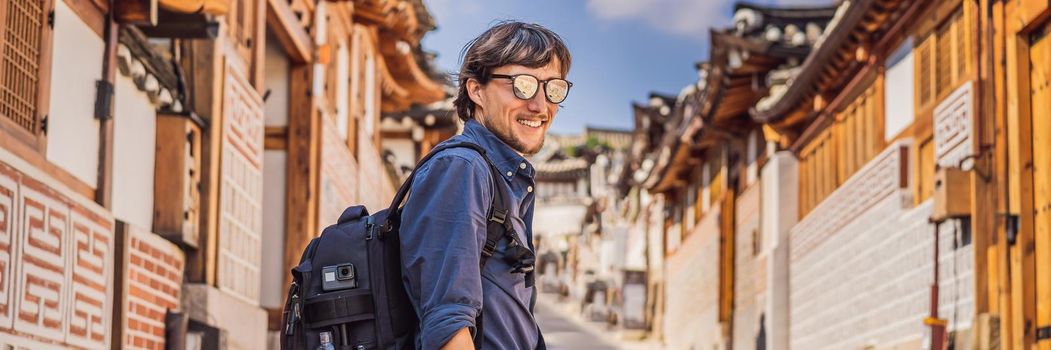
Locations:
{"points": [[692, 275], [862, 265], [748, 280]]}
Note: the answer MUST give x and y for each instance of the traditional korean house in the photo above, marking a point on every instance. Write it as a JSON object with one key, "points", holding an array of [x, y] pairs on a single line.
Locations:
{"points": [[644, 212], [324, 126], [879, 116], [707, 171], [162, 163], [409, 135]]}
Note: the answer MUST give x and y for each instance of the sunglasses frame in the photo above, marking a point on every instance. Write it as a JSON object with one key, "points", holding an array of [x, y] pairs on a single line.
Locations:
{"points": [[569, 85]]}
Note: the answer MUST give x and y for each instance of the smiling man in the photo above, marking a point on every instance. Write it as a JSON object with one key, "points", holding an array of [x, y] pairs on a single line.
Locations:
{"points": [[511, 83]]}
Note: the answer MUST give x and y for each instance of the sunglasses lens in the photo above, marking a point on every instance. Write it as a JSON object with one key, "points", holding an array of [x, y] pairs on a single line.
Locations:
{"points": [[525, 86], [556, 90]]}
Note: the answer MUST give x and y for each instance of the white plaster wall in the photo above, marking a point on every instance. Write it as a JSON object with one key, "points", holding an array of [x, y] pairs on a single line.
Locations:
{"points": [[134, 147], [73, 137], [275, 171], [558, 219], [276, 77], [780, 186], [868, 284], [342, 90], [404, 151], [898, 91]]}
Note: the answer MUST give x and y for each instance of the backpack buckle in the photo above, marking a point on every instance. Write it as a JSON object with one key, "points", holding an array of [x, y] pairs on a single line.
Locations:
{"points": [[499, 216]]}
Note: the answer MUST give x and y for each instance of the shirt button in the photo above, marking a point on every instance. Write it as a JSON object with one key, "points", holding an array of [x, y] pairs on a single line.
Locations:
{"points": [[509, 173], [521, 166], [529, 189]]}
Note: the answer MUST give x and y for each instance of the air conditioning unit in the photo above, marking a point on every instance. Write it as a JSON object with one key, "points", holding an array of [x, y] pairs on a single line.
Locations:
{"points": [[952, 194]]}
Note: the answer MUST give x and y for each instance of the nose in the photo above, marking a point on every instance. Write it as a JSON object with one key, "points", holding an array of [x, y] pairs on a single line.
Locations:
{"points": [[538, 103]]}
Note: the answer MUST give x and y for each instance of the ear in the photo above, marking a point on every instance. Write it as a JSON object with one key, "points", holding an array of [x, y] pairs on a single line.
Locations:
{"points": [[474, 91]]}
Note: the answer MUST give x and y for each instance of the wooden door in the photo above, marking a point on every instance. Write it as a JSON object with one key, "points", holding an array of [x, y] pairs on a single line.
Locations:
{"points": [[1040, 97]]}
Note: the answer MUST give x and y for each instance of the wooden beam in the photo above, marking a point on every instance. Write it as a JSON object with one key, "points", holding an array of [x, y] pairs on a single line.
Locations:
{"points": [[276, 138], [90, 13], [257, 74], [295, 40], [136, 12]]}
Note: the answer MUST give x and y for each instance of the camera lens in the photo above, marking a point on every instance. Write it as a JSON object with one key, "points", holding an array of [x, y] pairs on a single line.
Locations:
{"points": [[344, 271]]}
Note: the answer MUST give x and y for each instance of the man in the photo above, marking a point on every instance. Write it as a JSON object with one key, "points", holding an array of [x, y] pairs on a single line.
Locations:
{"points": [[511, 82]]}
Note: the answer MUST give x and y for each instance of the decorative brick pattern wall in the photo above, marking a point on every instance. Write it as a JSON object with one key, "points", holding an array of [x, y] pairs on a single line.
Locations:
{"points": [[953, 126], [862, 266], [339, 177], [153, 284], [747, 280], [241, 190], [878, 179], [692, 310], [56, 263]]}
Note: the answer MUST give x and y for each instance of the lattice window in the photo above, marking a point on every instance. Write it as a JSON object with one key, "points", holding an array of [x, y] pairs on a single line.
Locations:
{"points": [[943, 60], [22, 29], [240, 22]]}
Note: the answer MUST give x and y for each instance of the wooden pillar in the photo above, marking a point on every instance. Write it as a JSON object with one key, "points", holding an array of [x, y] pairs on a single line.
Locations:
{"points": [[983, 178], [205, 70], [104, 186], [727, 240], [304, 135]]}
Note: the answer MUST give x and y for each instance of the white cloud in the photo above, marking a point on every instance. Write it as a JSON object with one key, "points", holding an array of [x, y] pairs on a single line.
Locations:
{"points": [[683, 17]]}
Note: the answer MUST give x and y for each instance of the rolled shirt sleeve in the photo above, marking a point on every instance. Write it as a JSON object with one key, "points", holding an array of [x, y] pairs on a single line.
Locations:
{"points": [[442, 231]]}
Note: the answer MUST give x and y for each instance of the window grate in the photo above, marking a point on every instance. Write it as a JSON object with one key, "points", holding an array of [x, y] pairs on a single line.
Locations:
{"points": [[20, 37]]}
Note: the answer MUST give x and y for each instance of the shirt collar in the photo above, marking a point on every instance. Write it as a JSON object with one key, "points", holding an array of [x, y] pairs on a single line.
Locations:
{"points": [[503, 156]]}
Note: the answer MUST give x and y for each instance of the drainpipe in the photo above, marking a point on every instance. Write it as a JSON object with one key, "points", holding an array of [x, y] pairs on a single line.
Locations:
{"points": [[104, 112], [937, 325]]}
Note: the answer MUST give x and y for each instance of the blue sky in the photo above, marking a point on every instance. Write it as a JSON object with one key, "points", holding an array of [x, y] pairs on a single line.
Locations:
{"points": [[622, 49]]}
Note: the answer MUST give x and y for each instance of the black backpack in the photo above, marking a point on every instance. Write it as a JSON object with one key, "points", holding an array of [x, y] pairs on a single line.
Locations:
{"points": [[347, 289]]}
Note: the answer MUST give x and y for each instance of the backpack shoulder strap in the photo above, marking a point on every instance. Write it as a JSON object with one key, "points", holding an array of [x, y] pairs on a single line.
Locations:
{"points": [[497, 210]]}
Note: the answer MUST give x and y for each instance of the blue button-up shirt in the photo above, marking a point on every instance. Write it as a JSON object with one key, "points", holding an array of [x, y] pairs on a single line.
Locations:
{"points": [[442, 231]]}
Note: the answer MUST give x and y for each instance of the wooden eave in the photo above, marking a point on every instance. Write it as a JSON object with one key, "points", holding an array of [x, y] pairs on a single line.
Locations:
{"points": [[395, 97], [211, 7], [293, 38], [442, 118], [405, 69], [155, 62], [790, 13], [398, 17], [832, 63]]}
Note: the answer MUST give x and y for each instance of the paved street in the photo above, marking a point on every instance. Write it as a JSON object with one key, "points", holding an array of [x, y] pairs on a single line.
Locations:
{"points": [[564, 330]]}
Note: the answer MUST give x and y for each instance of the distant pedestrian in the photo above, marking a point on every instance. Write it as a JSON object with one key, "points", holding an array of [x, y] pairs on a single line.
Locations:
{"points": [[511, 83]]}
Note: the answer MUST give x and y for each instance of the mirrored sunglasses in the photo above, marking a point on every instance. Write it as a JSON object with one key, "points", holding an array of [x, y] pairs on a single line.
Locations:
{"points": [[525, 87]]}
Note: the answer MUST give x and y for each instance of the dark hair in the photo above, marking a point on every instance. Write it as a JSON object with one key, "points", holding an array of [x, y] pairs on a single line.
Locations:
{"points": [[507, 42]]}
